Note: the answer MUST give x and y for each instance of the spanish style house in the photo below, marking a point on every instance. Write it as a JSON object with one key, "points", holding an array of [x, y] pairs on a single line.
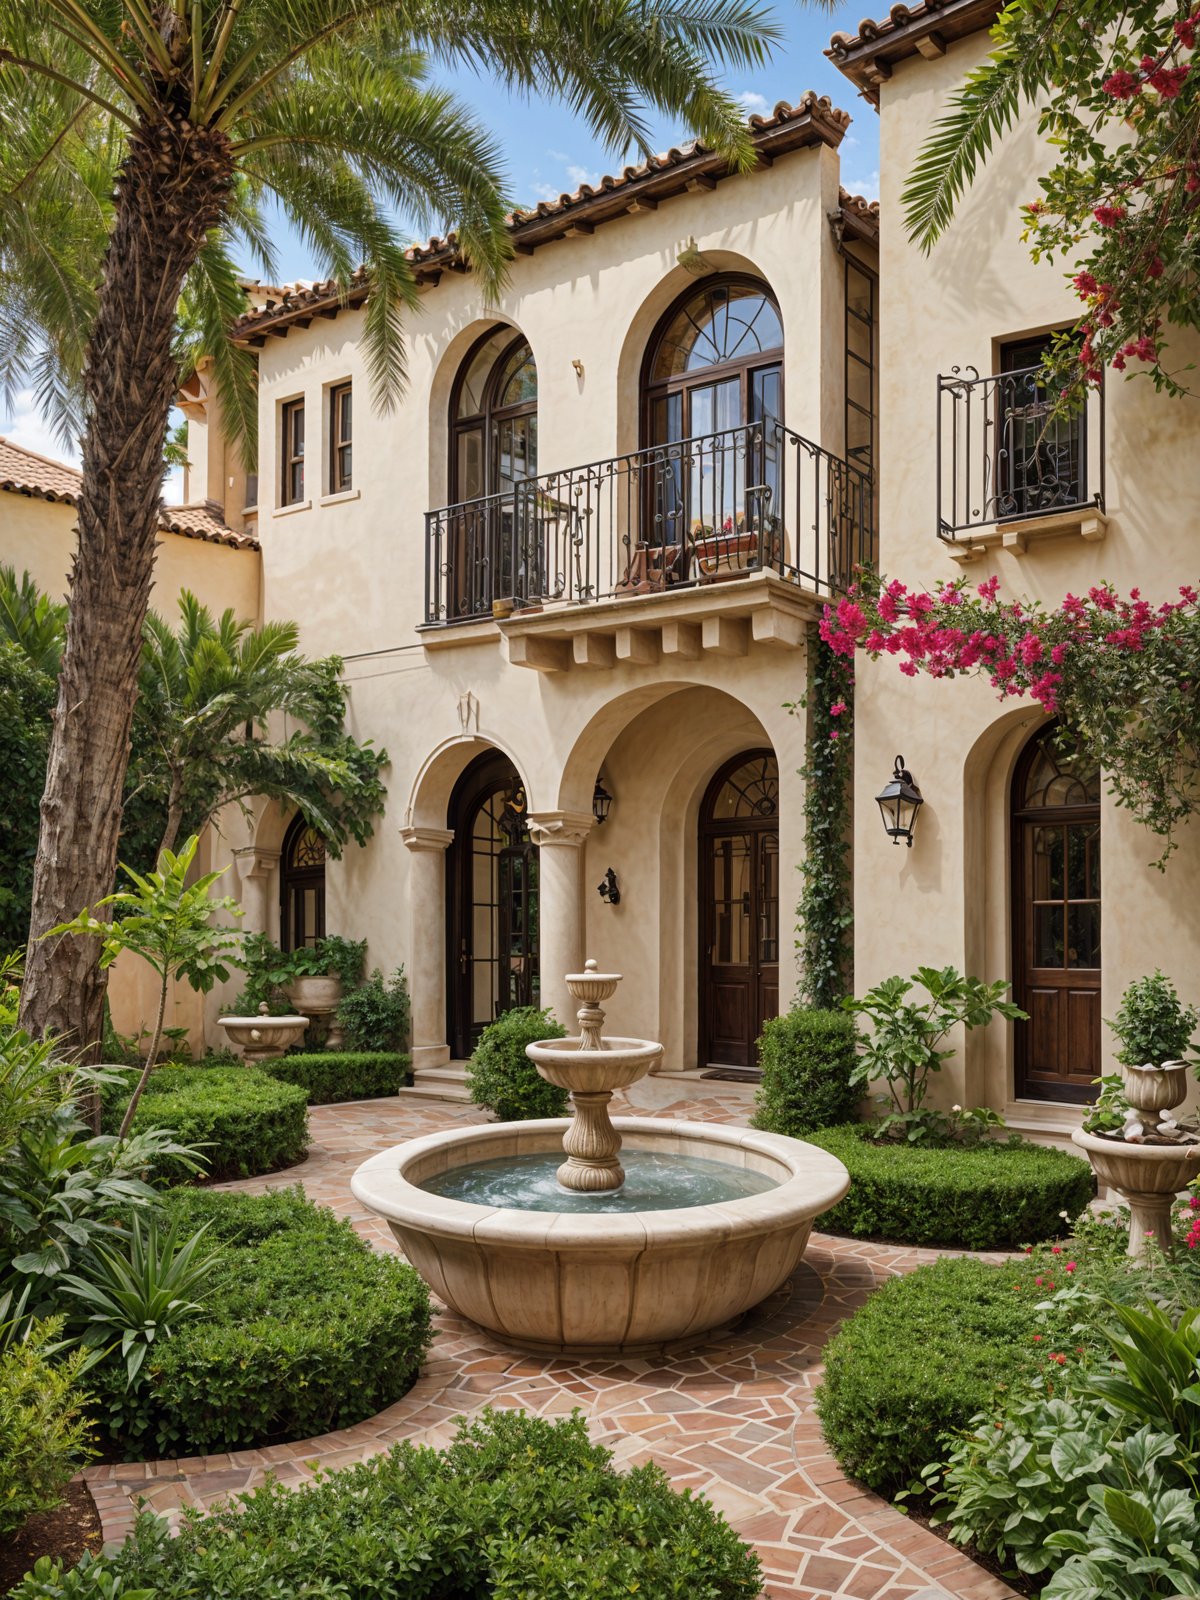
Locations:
{"points": [[575, 575]]}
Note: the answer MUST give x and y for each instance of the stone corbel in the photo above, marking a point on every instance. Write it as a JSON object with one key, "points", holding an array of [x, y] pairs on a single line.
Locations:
{"points": [[433, 839], [560, 827], [254, 861]]}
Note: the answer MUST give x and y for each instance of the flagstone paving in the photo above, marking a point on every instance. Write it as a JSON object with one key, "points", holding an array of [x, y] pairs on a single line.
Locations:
{"points": [[733, 1419]]}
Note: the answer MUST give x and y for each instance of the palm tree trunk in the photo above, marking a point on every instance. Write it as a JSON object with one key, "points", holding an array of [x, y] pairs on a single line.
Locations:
{"points": [[172, 188]]}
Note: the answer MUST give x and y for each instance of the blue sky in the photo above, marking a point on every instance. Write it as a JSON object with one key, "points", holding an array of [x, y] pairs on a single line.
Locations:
{"points": [[548, 151]]}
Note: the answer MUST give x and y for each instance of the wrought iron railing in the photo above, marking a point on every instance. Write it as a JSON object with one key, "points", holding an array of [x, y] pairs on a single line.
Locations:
{"points": [[1004, 452], [692, 512]]}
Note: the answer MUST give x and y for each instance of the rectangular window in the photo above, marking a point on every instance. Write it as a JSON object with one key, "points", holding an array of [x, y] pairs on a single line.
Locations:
{"points": [[341, 436], [293, 453], [1041, 457]]}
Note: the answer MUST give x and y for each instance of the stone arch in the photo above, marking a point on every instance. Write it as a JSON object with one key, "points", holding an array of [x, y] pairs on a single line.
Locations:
{"points": [[671, 287], [441, 769]]}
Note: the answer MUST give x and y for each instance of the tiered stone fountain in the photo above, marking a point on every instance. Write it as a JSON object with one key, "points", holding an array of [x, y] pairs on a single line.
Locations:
{"points": [[649, 1235]]}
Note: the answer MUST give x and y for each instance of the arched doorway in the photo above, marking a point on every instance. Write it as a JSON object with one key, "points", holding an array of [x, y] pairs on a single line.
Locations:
{"points": [[301, 886], [739, 908], [1056, 900], [493, 449], [492, 901], [714, 378]]}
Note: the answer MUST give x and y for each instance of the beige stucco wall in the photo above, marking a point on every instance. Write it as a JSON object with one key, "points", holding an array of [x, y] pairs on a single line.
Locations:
{"points": [[946, 900], [351, 571]]}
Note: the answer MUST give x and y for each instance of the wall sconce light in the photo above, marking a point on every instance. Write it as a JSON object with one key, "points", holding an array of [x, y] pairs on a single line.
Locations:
{"points": [[899, 801], [609, 891], [601, 802], [578, 365]]}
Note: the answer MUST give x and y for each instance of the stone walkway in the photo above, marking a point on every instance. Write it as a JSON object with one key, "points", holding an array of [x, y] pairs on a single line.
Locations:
{"points": [[733, 1419]]}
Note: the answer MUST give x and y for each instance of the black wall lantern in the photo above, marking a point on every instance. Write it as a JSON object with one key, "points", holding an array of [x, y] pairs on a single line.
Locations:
{"points": [[609, 891], [899, 801], [601, 802]]}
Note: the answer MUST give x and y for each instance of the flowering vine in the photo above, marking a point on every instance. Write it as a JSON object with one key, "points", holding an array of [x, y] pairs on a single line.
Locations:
{"points": [[825, 912], [1119, 671]]}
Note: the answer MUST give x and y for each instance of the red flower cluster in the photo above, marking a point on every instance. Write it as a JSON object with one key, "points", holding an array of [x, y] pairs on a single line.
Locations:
{"points": [[1020, 649]]}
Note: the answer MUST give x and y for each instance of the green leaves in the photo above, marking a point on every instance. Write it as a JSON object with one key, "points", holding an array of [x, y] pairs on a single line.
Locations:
{"points": [[501, 1076]]}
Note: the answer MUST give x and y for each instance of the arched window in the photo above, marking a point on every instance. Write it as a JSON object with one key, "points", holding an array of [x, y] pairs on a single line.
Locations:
{"points": [[739, 908], [301, 886], [712, 415], [493, 417], [1056, 920]]}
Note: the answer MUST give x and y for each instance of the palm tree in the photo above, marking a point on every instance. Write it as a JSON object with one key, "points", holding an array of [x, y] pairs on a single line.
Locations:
{"points": [[32, 620], [204, 107], [208, 734]]}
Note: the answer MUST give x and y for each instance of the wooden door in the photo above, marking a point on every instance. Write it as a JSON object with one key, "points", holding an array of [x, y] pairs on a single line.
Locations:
{"points": [[1056, 923], [739, 909], [492, 901]]}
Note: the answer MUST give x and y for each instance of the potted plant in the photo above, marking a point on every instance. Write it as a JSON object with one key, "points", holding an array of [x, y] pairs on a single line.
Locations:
{"points": [[1134, 1143], [733, 549], [321, 974]]}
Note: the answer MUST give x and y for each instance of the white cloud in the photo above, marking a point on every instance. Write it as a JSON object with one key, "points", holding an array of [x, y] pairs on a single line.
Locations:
{"points": [[865, 184], [26, 426], [756, 104], [580, 175]]}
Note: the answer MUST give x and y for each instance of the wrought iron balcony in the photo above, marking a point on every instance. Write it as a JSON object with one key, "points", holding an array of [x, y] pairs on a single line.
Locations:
{"points": [[1004, 455], [696, 511]]}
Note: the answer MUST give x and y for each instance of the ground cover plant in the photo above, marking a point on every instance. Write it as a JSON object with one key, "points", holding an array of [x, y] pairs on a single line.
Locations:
{"points": [[808, 1060], [44, 1434], [302, 1328], [991, 1195], [242, 1120], [501, 1076], [516, 1506], [330, 1076]]}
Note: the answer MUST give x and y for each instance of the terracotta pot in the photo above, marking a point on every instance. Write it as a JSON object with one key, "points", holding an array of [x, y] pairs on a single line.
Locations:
{"points": [[727, 552], [1148, 1176], [1157, 1088], [502, 609]]}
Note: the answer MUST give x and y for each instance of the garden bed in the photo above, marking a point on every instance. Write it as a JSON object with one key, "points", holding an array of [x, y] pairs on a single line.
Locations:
{"points": [[305, 1329], [246, 1121], [989, 1196]]}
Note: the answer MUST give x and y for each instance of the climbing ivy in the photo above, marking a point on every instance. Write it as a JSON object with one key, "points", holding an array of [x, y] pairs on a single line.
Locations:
{"points": [[825, 912]]}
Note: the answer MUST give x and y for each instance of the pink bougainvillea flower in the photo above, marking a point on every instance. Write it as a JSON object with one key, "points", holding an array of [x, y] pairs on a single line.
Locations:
{"points": [[1108, 216]]}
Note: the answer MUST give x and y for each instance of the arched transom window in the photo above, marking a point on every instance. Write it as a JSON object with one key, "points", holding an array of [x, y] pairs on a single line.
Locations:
{"points": [[493, 414], [717, 362]]}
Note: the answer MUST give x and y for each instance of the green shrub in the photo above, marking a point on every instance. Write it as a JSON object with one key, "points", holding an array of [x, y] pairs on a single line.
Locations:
{"points": [[43, 1436], [306, 1329], [334, 1075], [921, 1358], [246, 1121], [375, 1015], [989, 1196], [515, 1507], [807, 1059], [501, 1076]]}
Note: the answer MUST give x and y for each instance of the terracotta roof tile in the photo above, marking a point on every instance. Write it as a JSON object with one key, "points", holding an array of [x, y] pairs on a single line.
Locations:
{"points": [[813, 120], [862, 214], [25, 472], [925, 29]]}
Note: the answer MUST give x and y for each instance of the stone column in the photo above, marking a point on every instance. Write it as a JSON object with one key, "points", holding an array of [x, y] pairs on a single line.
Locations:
{"points": [[560, 836], [254, 867], [427, 943]]}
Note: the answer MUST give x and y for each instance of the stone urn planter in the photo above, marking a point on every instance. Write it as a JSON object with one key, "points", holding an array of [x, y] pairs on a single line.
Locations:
{"points": [[1152, 1158], [319, 997], [263, 1037]]}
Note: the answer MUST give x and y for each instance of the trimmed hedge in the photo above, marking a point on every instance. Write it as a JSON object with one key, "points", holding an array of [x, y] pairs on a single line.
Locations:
{"points": [[307, 1329], [924, 1354], [989, 1196], [515, 1507], [246, 1121], [807, 1058], [331, 1076]]}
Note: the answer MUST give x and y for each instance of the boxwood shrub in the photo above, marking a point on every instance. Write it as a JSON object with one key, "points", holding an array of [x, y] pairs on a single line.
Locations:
{"points": [[248, 1122], [924, 1354], [806, 1059], [307, 1329], [515, 1507], [501, 1076], [990, 1196], [329, 1076]]}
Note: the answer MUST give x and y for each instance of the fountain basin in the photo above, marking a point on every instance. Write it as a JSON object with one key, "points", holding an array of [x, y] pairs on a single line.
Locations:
{"points": [[1148, 1177], [617, 1064], [597, 1283], [263, 1038]]}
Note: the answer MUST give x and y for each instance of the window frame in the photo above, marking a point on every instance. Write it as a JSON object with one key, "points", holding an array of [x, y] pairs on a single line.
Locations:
{"points": [[289, 459], [340, 482]]}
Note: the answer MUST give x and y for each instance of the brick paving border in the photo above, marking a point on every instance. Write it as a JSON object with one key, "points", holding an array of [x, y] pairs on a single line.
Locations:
{"points": [[733, 1419]]}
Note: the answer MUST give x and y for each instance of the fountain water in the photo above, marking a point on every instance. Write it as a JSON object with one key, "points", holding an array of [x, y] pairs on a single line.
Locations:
{"points": [[595, 1254]]}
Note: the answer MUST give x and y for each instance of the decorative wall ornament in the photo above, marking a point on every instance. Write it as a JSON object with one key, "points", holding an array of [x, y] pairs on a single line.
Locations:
{"points": [[468, 714]]}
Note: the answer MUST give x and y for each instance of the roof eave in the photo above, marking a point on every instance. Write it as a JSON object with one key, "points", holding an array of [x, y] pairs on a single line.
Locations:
{"points": [[927, 30]]}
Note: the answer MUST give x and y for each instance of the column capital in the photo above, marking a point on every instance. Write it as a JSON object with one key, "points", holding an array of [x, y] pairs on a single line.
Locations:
{"points": [[433, 839], [254, 861], [560, 827]]}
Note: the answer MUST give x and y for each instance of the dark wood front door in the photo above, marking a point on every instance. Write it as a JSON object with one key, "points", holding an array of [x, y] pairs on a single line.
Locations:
{"points": [[1056, 922], [492, 901], [739, 908]]}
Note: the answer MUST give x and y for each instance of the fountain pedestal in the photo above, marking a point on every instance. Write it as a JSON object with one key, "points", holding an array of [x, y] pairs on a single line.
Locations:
{"points": [[591, 1067]]}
